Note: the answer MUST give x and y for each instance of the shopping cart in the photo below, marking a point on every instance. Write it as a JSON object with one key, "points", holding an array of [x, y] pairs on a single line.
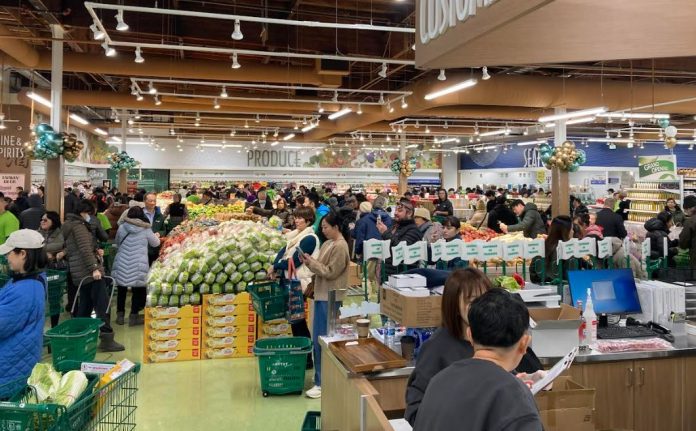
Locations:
{"points": [[282, 364], [111, 407]]}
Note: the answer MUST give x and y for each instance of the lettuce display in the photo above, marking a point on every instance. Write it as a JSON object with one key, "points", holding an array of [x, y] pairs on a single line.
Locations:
{"points": [[219, 259]]}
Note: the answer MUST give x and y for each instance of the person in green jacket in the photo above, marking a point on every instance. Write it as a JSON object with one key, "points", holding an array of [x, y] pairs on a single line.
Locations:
{"points": [[8, 222], [156, 218]]}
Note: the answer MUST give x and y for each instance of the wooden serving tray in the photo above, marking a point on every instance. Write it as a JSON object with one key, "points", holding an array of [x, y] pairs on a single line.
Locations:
{"points": [[368, 355]]}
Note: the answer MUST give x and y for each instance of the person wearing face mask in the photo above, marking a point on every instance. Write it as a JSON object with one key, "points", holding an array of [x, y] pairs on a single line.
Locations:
{"points": [[261, 203], [85, 265]]}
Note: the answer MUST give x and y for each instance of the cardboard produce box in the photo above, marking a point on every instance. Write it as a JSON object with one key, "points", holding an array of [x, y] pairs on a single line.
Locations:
{"points": [[228, 331], [186, 311], [228, 310], [355, 274], [568, 407], [167, 345], [412, 311], [243, 320], [172, 334], [172, 356], [227, 298], [172, 323], [231, 341], [229, 352], [556, 331]]}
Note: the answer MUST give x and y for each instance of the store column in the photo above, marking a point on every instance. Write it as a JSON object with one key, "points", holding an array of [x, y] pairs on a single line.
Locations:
{"points": [[560, 184], [123, 173], [403, 179], [55, 167]]}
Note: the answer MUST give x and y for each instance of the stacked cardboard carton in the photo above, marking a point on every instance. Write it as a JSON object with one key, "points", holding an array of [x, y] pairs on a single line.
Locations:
{"points": [[172, 334], [229, 326]]}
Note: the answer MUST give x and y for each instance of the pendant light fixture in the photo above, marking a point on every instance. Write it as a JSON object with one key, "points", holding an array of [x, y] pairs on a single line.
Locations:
{"points": [[484, 74], [216, 104], [139, 55], [96, 33], [442, 76], [151, 88], [108, 51], [383, 72], [237, 33], [235, 62], [223, 93], [120, 24]]}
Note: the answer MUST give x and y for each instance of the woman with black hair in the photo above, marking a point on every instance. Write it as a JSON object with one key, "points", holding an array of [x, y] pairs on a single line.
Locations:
{"points": [[85, 264], [561, 230], [22, 302], [53, 236], [501, 214], [330, 270], [673, 208]]}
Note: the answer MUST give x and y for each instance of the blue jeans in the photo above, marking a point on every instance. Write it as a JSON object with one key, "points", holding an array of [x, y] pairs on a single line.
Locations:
{"points": [[320, 327]]}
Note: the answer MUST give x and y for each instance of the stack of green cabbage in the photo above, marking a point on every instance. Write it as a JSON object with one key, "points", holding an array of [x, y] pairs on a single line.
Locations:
{"points": [[221, 259], [52, 387]]}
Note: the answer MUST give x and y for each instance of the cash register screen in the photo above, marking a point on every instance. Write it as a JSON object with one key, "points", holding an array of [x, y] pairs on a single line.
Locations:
{"points": [[613, 290]]}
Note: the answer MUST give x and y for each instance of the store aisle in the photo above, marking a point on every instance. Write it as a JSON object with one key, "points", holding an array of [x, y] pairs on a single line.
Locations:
{"points": [[208, 394]]}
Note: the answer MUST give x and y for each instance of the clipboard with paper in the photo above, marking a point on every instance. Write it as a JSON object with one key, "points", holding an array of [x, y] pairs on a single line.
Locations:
{"points": [[555, 371]]}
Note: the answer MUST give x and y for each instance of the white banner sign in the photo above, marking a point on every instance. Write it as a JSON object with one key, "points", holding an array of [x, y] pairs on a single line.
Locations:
{"points": [[375, 249], [604, 248], [586, 247], [567, 249], [416, 252], [437, 250], [513, 250], [534, 248], [472, 250], [398, 253], [489, 250], [453, 250]]}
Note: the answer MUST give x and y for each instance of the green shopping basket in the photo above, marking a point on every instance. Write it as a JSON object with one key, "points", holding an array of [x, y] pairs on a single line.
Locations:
{"points": [[282, 364], [109, 256], [312, 421], [270, 300], [57, 286], [75, 339], [111, 407]]}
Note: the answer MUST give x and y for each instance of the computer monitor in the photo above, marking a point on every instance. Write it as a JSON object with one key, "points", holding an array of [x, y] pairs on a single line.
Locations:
{"points": [[613, 290]]}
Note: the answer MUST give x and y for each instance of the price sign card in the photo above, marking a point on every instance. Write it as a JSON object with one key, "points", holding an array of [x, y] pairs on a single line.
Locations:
{"points": [[586, 247], [437, 250], [453, 250], [645, 249], [489, 250], [604, 248], [398, 253], [512, 250], [375, 249], [534, 248], [416, 252], [627, 246], [471, 250], [567, 249]]}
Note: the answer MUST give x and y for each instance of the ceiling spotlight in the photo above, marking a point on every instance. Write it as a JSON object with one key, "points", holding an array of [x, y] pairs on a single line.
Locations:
{"points": [[235, 62], [296, 127], [246, 124], [389, 107], [427, 129], [158, 102], [139, 55], [445, 125], [404, 105], [96, 33], [484, 74], [526, 131], [233, 132], [171, 132], [109, 51], [383, 72], [320, 108], [237, 33], [442, 76], [130, 121], [151, 88], [257, 120], [216, 104], [275, 133], [223, 93], [120, 25], [388, 138], [335, 97]]}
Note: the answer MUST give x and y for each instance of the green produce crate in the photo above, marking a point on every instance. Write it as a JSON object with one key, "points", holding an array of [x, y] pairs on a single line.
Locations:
{"points": [[111, 407], [270, 300], [282, 364], [57, 286], [75, 339], [312, 422]]}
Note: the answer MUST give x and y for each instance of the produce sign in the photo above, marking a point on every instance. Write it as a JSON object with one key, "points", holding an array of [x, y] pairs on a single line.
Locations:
{"points": [[220, 259]]}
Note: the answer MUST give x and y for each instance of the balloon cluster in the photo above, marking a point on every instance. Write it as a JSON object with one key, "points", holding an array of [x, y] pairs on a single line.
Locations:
{"points": [[566, 157], [404, 167], [670, 136], [71, 146], [47, 144], [122, 161]]}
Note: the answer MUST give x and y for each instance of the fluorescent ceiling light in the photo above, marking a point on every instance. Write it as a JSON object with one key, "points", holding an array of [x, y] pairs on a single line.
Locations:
{"points": [[274, 143], [308, 128], [572, 121], [444, 141], [101, 132], [288, 137], [495, 132], [488, 147], [40, 99], [451, 89], [340, 113], [537, 142], [79, 119], [616, 140], [643, 115], [116, 138], [575, 114], [412, 146]]}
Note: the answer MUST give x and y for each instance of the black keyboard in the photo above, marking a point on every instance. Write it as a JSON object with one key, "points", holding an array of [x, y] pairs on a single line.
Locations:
{"points": [[614, 332]]}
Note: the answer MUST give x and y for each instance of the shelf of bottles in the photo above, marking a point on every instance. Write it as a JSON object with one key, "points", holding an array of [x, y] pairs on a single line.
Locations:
{"points": [[648, 198]]}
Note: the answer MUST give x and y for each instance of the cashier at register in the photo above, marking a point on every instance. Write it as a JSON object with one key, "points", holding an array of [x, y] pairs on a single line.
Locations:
{"points": [[481, 393], [449, 343]]}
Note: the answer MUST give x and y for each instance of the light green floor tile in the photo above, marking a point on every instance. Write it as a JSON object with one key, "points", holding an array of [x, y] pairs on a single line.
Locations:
{"points": [[222, 394]]}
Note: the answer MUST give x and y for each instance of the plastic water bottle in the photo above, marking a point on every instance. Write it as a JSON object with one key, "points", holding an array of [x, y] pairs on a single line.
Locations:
{"points": [[389, 333], [590, 320]]}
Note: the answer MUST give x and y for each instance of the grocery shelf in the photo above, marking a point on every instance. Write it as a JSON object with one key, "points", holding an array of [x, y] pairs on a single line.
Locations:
{"points": [[676, 192], [643, 211], [642, 199]]}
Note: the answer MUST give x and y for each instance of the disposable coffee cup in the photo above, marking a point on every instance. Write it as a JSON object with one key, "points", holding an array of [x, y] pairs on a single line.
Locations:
{"points": [[363, 327], [408, 346]]}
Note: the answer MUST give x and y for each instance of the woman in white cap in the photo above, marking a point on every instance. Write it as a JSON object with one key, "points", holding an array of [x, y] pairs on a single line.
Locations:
{"points": [[22, 302]]}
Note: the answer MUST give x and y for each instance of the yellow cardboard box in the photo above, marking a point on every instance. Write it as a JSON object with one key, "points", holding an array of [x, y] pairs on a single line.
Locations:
{"points": [[228, 310], [172, 334], [228, 331], [172, 356], [227, 298], [231, 341], [229, 352], [173, 323], [169, 312], [243, 320], [167, 345]]}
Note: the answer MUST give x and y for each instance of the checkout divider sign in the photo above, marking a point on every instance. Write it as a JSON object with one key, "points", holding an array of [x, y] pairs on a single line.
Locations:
{"points": [[398, 253], [604, 248], [453, 250], [375, 249], [415, 252]]}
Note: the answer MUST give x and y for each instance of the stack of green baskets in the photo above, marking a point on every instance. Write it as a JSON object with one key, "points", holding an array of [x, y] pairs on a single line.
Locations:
{"points": [[57, 286]]}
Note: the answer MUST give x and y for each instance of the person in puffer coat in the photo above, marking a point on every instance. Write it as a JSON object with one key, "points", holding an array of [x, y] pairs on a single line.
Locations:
{"points": [[658, 230], [131, 264], [31, 218], [22, 302]]}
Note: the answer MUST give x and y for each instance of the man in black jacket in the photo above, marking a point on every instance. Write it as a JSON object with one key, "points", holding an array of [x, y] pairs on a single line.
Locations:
{"points": [[403, 229], [611, 223], [261, 203], [31, 218]]}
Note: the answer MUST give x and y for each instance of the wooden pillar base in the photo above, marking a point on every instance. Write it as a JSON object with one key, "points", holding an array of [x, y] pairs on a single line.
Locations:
{"points": [[403, 184], [560, 192], [123, 181], [54, 185]]}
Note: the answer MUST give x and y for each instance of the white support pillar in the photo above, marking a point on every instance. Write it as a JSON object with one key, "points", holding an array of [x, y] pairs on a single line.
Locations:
{"points": [[55, 167]]}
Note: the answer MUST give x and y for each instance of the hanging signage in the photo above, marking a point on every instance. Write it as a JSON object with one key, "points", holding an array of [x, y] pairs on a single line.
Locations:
{"points": [[657, 168], [375, 249], [437, 16], [416, 252], [532, 159], [437, 250], [14, 159], [274, 159], [453, 250], [567, 249], [398, 253], [9, 184], [534, 248]]}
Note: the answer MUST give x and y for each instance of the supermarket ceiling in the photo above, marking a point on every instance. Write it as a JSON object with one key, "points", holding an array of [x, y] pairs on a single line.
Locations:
{"points": [[261, 71]]}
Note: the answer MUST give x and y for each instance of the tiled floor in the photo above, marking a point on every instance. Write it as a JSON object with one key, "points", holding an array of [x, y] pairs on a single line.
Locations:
{"points": [[221, 394]]}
